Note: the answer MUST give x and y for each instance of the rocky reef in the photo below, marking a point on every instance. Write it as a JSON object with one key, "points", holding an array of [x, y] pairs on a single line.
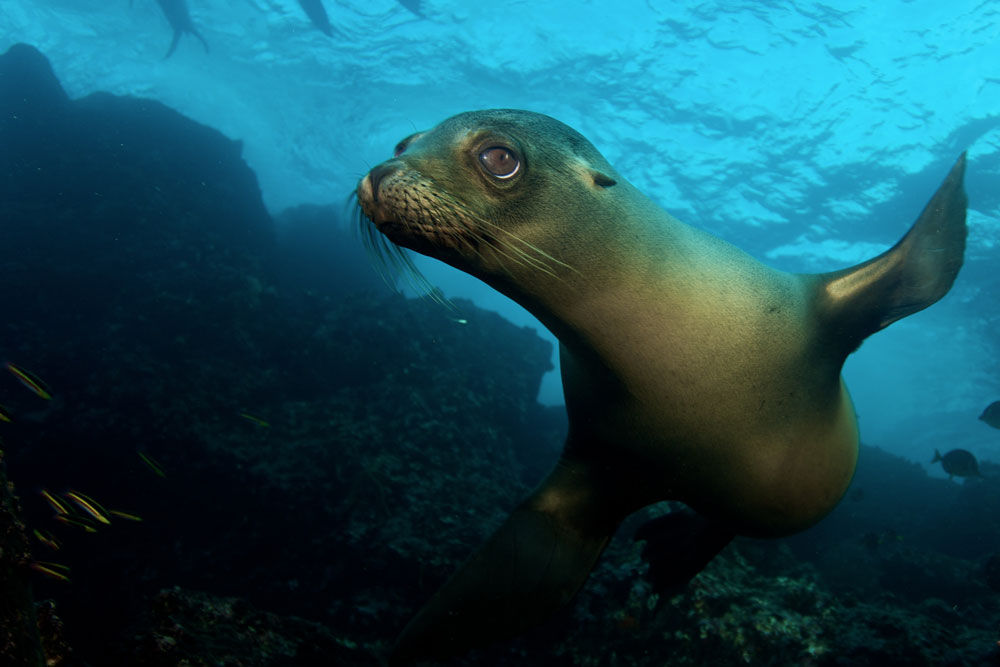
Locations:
{"points": [[19, 639], [311, 454]]}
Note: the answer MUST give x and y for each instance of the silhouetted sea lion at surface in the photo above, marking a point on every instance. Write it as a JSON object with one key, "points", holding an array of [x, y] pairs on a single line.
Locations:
{"points": [[317, 14], [691, 371], [179, 17], [413, 6]]}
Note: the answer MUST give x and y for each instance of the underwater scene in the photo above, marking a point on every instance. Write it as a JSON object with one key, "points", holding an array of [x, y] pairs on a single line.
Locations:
{"points": [[531, 333]]}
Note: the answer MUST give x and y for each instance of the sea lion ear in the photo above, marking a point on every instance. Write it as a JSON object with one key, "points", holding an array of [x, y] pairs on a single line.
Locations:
{"points": [[602, 180]]}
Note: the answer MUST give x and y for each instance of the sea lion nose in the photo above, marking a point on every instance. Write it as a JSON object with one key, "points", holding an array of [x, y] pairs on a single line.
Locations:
{"points": [[376, 175]]}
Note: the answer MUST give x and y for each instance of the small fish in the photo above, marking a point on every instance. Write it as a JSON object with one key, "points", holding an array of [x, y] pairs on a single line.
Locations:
{"points": [[256, 420], [54, 503], [48, 539], [4, 414], [53, 570], [991, 415], [459, 320], [125, 515], [79, 523], [31, 381], [152, 464], [958, 463], [90, 506]]}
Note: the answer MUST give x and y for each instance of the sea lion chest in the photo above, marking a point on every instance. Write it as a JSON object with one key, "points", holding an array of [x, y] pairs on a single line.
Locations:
{"points": [[710, 380]]}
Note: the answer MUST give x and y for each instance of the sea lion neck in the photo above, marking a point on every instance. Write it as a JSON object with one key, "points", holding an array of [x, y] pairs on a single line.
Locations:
{"points": [[625, 246]]}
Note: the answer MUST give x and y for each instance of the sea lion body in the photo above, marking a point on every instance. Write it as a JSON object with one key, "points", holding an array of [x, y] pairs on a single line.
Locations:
{"points": [[691, 371], [177, 14]]}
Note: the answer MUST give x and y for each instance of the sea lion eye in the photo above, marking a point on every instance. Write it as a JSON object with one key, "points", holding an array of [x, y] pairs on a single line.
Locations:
{"points": [[400, 148], [500, 162]]}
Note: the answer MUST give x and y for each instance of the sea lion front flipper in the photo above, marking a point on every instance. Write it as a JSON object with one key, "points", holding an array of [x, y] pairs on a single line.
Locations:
{"points": [[908, 277], [198, 35], [532, 566], [678, 546]]}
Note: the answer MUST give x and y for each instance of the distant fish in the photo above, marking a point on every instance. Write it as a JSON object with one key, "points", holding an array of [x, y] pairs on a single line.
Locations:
{"points": [[991, 415], [51, 570], [179, 17], [48, 539], [89, 506], [317, 14], [152, 464], [31, 381], [54, 503], [81, 522], [256, 420], [958, 463]]}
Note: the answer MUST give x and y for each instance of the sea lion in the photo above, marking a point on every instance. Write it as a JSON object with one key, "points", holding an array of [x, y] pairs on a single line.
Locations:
{"points": [[179, 17], [691, 371], [317, 14]]}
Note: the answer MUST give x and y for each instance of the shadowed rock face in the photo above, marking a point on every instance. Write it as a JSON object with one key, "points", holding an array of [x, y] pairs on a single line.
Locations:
{"points": [[19, 641], [146, 299]]}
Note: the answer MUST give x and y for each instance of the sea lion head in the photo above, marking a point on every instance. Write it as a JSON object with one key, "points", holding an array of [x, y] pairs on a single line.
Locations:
{"points": [[492, 193]]}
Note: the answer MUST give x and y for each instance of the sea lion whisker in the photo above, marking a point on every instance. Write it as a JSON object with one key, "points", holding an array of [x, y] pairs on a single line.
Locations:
{"points": [[541, 254], [391, 261], [515, 255], [473, 237], [537, 250], [473, 226], [537, 262]]}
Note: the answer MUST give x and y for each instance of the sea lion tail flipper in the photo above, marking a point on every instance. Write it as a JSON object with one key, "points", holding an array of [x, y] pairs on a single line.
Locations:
{"points": [[678, 546], [908, 277], [198, 35], [531, 567], [173, 44]]}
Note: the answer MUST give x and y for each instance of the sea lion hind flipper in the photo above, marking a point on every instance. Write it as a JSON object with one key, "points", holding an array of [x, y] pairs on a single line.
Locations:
{"points": [[678, 546], [202, 39], [173, 44], [531, 567], [910, 276]]}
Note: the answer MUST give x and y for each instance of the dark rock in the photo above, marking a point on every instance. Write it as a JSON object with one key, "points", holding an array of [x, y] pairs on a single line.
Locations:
{"points": [[19, 640], [190, 628]]}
